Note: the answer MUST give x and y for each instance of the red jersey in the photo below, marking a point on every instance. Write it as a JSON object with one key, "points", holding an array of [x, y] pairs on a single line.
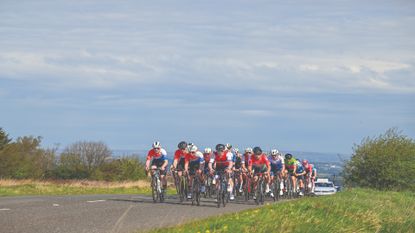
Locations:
{"points": [[223, 158], [152, 154], [258, 162], [308, 169], [180, 154], [194, 157]]}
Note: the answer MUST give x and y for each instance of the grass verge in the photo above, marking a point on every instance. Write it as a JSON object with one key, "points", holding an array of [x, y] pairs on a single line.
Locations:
{"points": [[356, 210], [72, 187]]}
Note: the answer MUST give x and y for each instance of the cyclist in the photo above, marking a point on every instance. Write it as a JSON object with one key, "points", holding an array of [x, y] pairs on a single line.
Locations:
{"points": [[179, 157], [223, 161], [299, 173], [313, 177], [193, 162], [308, 170], [158, 159], [207, 155], [238, 168], [245, 162], [247, 156], [259, 164], [310, 173], [277, 168], [291, 167]]}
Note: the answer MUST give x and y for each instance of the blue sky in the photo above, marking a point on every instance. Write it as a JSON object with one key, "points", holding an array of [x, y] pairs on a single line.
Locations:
{"points": [[296, 75]]}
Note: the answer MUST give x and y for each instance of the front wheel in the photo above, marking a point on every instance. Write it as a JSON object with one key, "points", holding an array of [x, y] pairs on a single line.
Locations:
{"points": [[154, 189]]}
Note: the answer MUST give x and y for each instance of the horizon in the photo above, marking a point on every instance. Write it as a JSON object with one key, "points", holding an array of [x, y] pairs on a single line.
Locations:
{"points": [[310, 76]]}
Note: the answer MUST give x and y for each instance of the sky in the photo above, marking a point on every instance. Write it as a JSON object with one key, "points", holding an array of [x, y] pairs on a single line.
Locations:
{"points": [[294, 75]]}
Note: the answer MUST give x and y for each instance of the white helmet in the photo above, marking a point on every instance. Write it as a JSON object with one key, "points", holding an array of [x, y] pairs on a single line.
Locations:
{"points": [[275, 152], [249, 150], [193, 148], [228, 146], [156, 144], [208, 150], [236, 150]]}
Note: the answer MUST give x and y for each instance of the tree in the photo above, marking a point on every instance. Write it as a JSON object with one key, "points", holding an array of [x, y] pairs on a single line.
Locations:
{"points": [[25, 159], [386, 162], [84, 158], [4, 138]]}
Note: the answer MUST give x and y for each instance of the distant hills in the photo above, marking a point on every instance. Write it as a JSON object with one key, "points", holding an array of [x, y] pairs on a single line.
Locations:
{"points": [[311, 156]]}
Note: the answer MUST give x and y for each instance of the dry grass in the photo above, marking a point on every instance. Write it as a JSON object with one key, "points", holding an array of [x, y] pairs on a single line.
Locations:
{"points": [[76, 183]]}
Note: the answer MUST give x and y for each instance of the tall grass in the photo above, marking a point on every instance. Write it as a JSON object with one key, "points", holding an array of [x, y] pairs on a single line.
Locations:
{"points": [[12, 187], [357, 210]]}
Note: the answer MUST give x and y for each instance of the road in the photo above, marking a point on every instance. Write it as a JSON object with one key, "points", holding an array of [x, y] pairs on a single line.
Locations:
{"points": [[101, 213]]}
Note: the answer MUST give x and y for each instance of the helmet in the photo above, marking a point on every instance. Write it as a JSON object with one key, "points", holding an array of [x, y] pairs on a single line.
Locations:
{"points": [[236, 150], [208, 150], [288, 156], [182, 145], [257, 150], [305, 162], [220, 147], [228, 146], [274, 152], [193, 148], [248, 150], [156, 144]]}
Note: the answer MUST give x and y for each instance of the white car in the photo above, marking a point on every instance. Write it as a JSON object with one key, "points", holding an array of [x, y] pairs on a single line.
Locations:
{"points": [[324, 187]]}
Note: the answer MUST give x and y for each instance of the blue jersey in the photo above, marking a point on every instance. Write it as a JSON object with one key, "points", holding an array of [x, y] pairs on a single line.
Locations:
{"points": [[300, 168], [277, 163]]}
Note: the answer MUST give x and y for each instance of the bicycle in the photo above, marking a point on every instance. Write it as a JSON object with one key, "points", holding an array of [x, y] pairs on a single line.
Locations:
{"points": [[156, 189], [209, 186], [307, 185], [247, 186], [276, 187], [196, 183], [260, 189], [289, 189], [176, 179], [221, 191]]}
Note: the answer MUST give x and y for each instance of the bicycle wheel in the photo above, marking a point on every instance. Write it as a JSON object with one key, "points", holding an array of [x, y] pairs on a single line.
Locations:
{"points": [[154, 189], [261, 191], [277, 188], [182, 194], [160, 190], [219, 195], [176, 182], [274, 190], [247, 188], [197, 187]]}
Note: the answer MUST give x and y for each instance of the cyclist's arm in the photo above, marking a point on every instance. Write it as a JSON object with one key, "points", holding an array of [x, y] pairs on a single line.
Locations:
{"points": [[166, 162], [148, 161]]}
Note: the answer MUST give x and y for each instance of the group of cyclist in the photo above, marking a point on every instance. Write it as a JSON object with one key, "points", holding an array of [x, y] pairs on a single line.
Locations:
{"points": [[238, 168]]}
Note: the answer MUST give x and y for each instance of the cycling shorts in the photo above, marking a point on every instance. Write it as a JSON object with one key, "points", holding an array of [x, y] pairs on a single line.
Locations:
{"points": [[158, 163]]}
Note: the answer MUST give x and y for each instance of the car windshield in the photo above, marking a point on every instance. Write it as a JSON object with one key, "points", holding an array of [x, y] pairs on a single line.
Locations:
{"points": [[325, 185]]}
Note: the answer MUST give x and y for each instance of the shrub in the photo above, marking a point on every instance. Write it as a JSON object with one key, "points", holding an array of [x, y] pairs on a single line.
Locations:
{"points": [[386, 162]]}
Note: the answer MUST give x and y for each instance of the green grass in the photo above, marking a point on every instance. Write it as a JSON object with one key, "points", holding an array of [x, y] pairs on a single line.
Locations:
{"points": [[357, 210]]}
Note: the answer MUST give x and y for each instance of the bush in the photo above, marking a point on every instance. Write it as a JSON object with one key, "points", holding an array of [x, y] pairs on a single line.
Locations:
{"points": [[25, 159], [386, 162]]}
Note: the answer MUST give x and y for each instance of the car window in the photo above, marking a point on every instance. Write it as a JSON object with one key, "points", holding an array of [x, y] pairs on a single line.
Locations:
{"points": [[324, 185]]}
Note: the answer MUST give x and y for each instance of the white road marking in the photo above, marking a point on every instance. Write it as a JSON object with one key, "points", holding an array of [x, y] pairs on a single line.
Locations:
{"points": [[55, 204], [95, 201], [117, 225], [5, 209]]}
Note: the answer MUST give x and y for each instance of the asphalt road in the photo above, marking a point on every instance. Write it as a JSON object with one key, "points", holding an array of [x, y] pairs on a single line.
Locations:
{"points": [[101, 213]]}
